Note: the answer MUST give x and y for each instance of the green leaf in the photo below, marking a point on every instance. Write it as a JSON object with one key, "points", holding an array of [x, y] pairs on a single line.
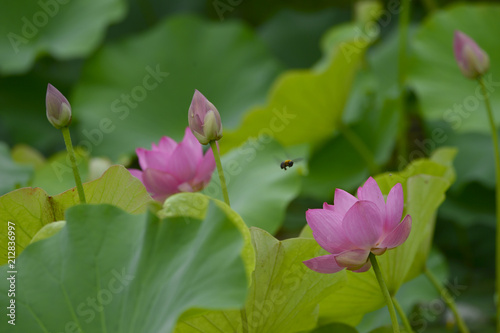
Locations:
{"points": [[294, 36], [443, 92], [303, 105], [12, 175], [116, 187], [48, 230], [284, 294], [59, 28], [24, 154], [335, 327], [32, 208], [259, 190], [195, 205], [108, 270], [424, 183], [159, 71]]}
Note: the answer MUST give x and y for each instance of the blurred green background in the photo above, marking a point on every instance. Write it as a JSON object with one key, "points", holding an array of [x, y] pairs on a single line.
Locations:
{"points": [[334, 67]]}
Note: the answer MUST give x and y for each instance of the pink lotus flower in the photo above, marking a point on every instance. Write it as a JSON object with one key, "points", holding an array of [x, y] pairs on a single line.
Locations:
{"points": [[352, 228], [173, 167], [471, 59]]}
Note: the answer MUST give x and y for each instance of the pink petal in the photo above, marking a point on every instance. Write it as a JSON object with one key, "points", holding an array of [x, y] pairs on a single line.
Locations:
{"points": [[352, 258], [141, 155], [327, 230], [160, 184], [394, 207], [371, 192], [205, 168], [342, 202], [167, 145], [364, 268], [198, 105], [183, 162], [155, 159], [196, 124], [324, 264], [459, 40], [399, 235], [136, 173], [363, 224], [192, 144]]}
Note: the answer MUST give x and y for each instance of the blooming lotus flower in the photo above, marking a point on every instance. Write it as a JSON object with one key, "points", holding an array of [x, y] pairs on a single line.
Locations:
{"points": [[172, 167], [57, 107], [204, 119], [353, 227], [471, 59]]}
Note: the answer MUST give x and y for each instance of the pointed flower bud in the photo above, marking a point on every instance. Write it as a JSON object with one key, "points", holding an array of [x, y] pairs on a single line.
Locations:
{"points": [[58, 108], [471, 59], [204, 119]]}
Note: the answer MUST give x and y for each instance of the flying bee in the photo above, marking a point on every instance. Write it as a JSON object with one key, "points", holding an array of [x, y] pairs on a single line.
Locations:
{"points": [[289, 163]]}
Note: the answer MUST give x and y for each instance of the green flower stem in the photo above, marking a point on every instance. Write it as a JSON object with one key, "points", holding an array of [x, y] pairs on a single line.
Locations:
{"points": [[71, 153], [403, 27], [462, 328], [385, 292], [402, 315], [220, 172], [360, 147], [494, 137], [223, 186]]}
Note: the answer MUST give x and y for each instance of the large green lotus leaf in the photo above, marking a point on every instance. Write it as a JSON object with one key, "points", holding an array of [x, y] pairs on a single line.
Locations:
{"points": [[443, 92], [284, 294], [304, 106], [32, 208], [294, 36], [58, 27], [110, 271], [159, 71], [195, 205], [259, 190], [424, 183], [12, 174], [116, 187]]}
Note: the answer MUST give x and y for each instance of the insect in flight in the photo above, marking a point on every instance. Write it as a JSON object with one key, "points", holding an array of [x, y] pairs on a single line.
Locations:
{"points": [[289, 163]]}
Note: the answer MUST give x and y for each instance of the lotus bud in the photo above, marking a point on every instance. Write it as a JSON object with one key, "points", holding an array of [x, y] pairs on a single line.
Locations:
{"points": [[204, 119], [471, 59], [58, 108]]}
